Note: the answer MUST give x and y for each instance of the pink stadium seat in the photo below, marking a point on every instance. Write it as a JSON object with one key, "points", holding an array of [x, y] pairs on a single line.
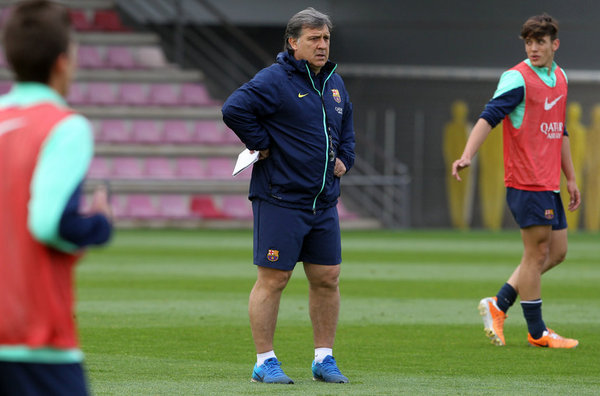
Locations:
{"points": [[133, 94], [164, 95], [117, 204], [100, 168], [237, 207], [101, 93], [115, 131], [230, 136], [80, 20], [207, 131], [158, 168], [190, 168], [76, 96], [219, 168], [89, 57], [174, 206], [147, 131], [150, 58], [178, 132], [344, 213], [120, 58], [127, 168], [203, 206], [5, 86], [140, 206], [195, 95], [108, 20]]}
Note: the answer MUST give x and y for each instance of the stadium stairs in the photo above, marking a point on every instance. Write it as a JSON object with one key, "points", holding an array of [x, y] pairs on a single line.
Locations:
{"points": [[161, 146]]}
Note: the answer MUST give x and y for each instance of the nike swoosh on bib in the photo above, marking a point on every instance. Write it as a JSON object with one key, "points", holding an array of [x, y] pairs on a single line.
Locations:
{"points": [[301, 95], [548, 106]]}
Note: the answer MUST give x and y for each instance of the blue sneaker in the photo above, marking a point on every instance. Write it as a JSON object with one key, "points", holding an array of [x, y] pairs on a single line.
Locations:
{"points": [[269, 372], [328, 371]]}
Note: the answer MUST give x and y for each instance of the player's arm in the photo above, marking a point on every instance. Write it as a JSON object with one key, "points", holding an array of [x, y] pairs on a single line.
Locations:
{"points": [[243, 110], [478, 135], [509, 95], [569, 171], [54, 217]]}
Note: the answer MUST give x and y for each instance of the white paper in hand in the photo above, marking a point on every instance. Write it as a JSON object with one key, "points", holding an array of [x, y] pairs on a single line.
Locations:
{"points": [[244, 160]]}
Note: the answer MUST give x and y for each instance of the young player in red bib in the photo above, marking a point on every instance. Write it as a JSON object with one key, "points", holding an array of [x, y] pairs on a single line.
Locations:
{"points": [[531, 100], [45, 150]]}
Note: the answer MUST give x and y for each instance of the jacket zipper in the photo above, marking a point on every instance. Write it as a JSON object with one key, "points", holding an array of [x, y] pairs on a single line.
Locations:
{"points": [[324, 130]]}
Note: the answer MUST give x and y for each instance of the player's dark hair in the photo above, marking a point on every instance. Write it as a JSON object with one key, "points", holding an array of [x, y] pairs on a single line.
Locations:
{"points": [[35, 34], [308, 17], [539, 26]]}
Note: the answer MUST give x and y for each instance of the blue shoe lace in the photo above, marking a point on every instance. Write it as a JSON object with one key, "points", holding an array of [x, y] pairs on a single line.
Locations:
{"points": [[272, 371], [330, 371]]}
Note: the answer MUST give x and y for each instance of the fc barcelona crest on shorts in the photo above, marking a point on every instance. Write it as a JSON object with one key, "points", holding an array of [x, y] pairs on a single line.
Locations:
{"points": [[336, 95], [273, 255], [549, 214]]}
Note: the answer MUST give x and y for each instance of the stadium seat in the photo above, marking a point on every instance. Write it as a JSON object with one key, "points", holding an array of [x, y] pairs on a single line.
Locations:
{"points": [[76, 95], [208, 131], [150, 58], [108, 20], [147, 131], [190, 168], [101, 93], [164, 95], [100, 168], [140, 206], [203, 206], [89, 57], [158, 168], [236, 207], [118, 57], [127, 168], [230, 137], [178, 132], [133, 94], [117, 204], [174, 206], [219, 168], [344, 213], [115, 131], [80, 20], [194, 94]]}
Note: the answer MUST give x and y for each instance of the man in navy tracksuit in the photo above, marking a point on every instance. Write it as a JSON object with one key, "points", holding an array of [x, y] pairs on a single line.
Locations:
{"points": [[298, 114]]}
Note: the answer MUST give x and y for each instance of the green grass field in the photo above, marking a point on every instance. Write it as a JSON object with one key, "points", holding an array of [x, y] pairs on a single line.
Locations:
{"points": [[165, 313]]}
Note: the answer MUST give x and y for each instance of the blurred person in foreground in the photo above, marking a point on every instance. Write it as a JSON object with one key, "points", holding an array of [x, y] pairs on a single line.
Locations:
{"points": [[45, 151], [531, 99], [298, 115]]}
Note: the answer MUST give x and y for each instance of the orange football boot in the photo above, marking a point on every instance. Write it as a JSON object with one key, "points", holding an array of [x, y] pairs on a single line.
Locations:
{"points": [[552, 340], [493, 320]]}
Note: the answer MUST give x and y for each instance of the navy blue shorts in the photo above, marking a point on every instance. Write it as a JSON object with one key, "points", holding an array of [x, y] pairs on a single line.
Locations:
{"points": [[285, 236], [531, 208], [36, 379]]}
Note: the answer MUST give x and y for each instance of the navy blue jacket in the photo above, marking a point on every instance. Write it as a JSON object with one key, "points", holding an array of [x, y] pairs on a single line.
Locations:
{"points": [[305, 120]]}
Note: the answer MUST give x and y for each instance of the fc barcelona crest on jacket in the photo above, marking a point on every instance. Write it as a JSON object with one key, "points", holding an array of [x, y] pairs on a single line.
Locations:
{"points": [[273, 255], [336, 95]]}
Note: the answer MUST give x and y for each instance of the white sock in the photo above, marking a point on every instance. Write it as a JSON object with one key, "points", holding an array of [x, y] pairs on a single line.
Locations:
{"points": [[261, 357], [322, 353]]}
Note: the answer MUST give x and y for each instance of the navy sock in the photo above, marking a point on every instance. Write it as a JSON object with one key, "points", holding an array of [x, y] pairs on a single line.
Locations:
{"points": [[506, 297], [532, 310]]}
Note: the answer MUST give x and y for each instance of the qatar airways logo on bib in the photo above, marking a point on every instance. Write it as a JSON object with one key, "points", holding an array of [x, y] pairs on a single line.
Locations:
{"points": [[552, 130]]}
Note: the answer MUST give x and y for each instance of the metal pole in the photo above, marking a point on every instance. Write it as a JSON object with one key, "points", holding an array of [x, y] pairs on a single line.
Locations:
{"points": [[389, 148], [418, 166], [179, 26]]}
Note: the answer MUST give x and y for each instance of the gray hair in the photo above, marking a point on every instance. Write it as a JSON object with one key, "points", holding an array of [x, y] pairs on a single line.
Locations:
{"points": [[308, 17]]}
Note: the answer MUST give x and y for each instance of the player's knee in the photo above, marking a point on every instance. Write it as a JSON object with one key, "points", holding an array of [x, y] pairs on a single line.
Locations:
{"points": [[326, 281]]}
